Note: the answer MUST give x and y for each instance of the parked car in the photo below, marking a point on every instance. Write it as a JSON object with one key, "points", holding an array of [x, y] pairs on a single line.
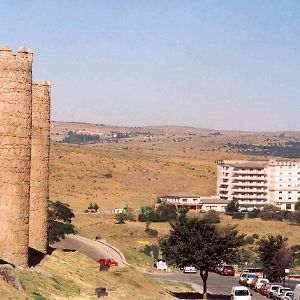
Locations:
{"points": [[250, 279], [161, 265], [288, 295], [189, 269], [279, 292], [253, 283], [272, 288], [240, 293], [107, 262], [244, 277], [259, 283], [228, 271], [264, 288]]}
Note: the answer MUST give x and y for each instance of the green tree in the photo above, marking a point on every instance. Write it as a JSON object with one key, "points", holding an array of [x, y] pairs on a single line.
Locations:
{"points": [[59, 221], [193, 242], [232, 207], [297, 205], [275, 257]]}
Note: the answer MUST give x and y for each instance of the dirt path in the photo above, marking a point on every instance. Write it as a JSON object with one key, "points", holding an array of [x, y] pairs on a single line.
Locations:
{"points": [[90, 248]]}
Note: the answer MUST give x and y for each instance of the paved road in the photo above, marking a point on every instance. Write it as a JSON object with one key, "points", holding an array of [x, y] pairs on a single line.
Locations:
{"points": [[218, 285], [90, 248]]}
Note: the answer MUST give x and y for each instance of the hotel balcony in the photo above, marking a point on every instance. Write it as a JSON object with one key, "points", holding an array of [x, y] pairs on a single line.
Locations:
{"points": [[249, 177], [245, 196], [247, 171], [237, 183], [249, 190]]}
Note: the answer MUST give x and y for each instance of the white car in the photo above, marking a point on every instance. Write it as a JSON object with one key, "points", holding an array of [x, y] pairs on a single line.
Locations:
{"points": [[289, 295], [189, 269], [240, 293], [279, 292], [259, 283]]}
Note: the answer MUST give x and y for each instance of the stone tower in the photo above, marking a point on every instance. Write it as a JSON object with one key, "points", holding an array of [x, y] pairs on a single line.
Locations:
{"points": [[15, 145], [39, 179]]}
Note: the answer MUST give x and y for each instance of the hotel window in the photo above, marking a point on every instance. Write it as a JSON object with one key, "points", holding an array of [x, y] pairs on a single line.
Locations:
{"points": [[288, 206]]}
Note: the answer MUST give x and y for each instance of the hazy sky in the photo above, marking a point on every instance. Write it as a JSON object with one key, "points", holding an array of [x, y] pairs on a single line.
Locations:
{"points": [[214, 64]]}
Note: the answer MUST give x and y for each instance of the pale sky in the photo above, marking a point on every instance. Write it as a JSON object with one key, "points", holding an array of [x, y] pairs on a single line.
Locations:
{"points": [[210, 64]]}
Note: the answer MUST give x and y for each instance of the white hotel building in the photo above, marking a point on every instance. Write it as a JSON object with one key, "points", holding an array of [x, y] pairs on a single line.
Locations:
{"points": [[256, 183]]}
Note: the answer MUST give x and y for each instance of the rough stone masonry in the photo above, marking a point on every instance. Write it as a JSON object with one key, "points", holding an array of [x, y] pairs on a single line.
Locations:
{"points": [[19, 111]]}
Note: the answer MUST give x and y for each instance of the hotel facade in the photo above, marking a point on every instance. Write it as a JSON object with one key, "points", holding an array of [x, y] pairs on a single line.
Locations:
{"points": [[257, 183]]}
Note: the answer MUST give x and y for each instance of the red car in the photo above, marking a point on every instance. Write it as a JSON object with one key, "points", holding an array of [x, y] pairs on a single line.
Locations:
{"points": [[228, 271], [253, 283], [107, 262], [264, 288]]}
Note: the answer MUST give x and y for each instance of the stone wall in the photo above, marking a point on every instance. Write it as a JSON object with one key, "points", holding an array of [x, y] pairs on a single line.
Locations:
{"points": [[39, 181], [15, 145]]}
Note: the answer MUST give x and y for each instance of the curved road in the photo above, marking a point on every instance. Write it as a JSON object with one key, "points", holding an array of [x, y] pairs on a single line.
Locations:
{"points": [[92, 249]]}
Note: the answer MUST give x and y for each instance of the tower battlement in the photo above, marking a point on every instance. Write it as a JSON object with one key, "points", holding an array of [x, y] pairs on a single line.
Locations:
{"points": [[22, 55]]}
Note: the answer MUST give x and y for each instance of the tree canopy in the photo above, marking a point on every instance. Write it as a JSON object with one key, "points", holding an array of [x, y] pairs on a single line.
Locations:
{"points": [[59, 221], [194, 242], [275, 256]]}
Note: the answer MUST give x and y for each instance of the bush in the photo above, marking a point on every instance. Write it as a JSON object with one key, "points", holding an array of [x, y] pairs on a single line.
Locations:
{"points": [[271, 212], [238, 215], [164, 213], [211, 217], [249, 240], [151, 231], [255, 236], [253, 214], [131, 216], [120, 218], [147, 250]]}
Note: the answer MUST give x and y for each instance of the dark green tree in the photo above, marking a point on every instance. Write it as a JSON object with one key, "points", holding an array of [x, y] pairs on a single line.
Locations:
{"points": [[232, 207], [193, 242], [274, 256], [59, 221]]}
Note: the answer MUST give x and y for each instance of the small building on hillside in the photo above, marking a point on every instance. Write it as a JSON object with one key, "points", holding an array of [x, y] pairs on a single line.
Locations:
{"points": [[213, 203], [179, 199]]}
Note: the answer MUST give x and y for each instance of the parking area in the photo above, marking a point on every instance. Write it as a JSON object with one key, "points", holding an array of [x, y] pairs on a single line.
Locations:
{"points": [[218, 285]]}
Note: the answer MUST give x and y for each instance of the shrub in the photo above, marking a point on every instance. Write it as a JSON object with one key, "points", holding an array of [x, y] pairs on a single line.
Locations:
{"points": [[155, 251], [238, 215], [253, 214], [249, 240], [164, 213], [147, 250], [120, 218], [211, 217], [255, 236], [151, 231], [131, 216], [271, 212]]}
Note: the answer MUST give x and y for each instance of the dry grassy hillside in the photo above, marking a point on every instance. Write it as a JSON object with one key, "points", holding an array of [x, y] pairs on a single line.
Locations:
{"points": [[115, 174], [70, 275]]}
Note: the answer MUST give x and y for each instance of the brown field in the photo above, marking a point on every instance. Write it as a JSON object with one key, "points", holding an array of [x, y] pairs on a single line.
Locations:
{"points": [[114, 175]]}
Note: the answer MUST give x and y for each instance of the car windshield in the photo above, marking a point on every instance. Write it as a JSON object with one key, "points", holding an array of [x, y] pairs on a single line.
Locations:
{"points": [[252, 276], [241, 293], [289, 294]]}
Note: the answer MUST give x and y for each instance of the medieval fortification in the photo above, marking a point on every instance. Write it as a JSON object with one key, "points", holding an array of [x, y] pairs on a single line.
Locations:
{"points": [[24, 157]]}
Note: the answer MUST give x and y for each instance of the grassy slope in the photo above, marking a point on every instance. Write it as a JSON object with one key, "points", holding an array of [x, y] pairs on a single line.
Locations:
{"points": [[73, 276]]}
